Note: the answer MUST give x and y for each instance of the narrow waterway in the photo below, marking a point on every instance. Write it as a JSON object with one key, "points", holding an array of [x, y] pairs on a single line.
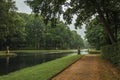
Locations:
{"points": [[22, 60]]}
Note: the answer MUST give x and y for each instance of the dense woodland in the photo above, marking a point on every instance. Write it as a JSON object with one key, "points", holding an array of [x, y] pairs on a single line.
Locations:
{"points": [[96, 35], [29, 31], [102, 19], [105, 11], [44, 30]]}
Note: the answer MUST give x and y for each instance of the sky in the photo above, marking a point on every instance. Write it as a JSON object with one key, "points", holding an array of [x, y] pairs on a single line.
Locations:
{"points": [[22, 7]]}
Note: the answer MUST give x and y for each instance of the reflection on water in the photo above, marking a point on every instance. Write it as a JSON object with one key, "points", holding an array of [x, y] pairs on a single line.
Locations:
{"points": [[9, 64], [84, 52], [22, 60]]}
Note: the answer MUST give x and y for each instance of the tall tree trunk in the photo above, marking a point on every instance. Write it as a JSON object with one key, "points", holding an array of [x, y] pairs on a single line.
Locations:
{"points": [[115, 18], [104, 20], [107, 26]]}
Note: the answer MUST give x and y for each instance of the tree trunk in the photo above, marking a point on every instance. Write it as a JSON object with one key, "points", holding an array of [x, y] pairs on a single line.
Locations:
{"points": [[105, 22], [107, 27], [115, 18]]}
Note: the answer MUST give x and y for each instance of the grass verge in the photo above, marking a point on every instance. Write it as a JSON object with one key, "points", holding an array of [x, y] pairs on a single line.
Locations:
{"points": [[43, 51], [43, 71], [93, 51], [13, 52], [3, 53]]}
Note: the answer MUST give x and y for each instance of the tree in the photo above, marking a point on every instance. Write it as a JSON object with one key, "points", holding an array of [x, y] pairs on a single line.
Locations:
{"points": [[39, 35], [76, 40], [107, 10], [7, 9], [35, 29], [95, 34], [17, 38]]}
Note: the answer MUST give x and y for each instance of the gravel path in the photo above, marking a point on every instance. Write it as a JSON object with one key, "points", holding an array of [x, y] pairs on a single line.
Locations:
{"points": [[84, 69]]}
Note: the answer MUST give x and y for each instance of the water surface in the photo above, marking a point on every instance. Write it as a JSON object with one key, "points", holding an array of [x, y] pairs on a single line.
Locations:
{"points": [[10, 64]]}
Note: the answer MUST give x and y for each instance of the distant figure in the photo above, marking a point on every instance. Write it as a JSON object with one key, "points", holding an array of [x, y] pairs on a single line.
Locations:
{"points": [[56, 48], [8, 50], [78, 50]]}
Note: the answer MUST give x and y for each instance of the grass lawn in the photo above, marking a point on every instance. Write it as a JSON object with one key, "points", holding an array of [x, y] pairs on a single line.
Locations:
{"points": [[35, 51], [3, 53], [43, 71], [12, 52], [93, 51], [42, 51]]}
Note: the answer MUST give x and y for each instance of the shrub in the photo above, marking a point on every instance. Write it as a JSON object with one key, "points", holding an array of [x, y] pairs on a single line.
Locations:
{"points": [[94, 51], [112, 53]]}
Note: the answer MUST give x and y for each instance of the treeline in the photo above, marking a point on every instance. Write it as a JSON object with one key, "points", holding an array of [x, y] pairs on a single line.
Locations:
{"points": [[102, 19], [96, 34], [46, 36], [27, 31]]}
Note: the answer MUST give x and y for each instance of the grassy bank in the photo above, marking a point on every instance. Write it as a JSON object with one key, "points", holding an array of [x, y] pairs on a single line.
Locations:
{"points": [[94, 51], [43, 71], [12, 52], [35, 51], [3, 53], [43, 51]]}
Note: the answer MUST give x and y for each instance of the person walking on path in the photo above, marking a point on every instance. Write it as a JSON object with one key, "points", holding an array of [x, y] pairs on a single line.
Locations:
{"points": [[78, 50]]}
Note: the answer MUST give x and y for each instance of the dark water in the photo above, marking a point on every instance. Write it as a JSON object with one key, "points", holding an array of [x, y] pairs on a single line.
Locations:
{"points": [[22, 60]]}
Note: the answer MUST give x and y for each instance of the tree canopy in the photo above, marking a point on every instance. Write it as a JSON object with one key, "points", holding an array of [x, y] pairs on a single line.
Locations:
{"points": [[95, 34], [8, 22], [42, 36], [28, 31], [106, 10]]}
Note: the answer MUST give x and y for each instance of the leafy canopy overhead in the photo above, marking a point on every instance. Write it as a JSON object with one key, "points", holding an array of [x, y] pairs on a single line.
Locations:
{"points": [[49, 9], [84, 9]]}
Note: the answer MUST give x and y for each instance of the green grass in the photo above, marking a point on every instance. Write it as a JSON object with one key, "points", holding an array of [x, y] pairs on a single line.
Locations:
{"points": [[93, 51], [3, 53], [33, 51], [43, 71], [12, 52], [42, 51]]}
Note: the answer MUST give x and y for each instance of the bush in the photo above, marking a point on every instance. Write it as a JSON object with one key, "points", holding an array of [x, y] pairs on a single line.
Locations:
{"points": [[112, 53], [94, 51]]}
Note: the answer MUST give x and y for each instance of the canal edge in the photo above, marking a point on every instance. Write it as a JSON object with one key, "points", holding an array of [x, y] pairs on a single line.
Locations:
{"points": [[65, 68]]}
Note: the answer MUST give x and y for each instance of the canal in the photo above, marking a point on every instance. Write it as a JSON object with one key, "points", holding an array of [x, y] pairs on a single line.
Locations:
{"points": [[10, 64]]}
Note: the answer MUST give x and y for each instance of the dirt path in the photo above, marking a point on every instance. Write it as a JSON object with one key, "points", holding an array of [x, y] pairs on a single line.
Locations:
{"points": [[87, 68], [90, 67]]}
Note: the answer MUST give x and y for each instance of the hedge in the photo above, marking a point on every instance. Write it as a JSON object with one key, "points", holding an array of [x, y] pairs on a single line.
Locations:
{"points": [[112, 53]]}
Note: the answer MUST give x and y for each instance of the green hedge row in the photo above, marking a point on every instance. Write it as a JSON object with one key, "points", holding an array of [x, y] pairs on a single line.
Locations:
{"points": [[112, 53]]}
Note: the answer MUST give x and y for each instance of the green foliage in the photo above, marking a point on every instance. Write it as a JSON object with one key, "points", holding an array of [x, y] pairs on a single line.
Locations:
{"points": [[94, 51], [19, 30], [95, 34], [50, 10], [43, 71], [106, 10], [111, 53], [5, 19], [76, 40], [34, 29], [12, 31], [42, 36]]}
